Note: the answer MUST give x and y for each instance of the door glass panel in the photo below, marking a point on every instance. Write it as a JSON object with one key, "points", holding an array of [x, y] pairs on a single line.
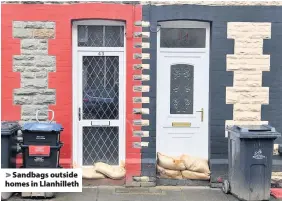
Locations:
{"points": [[114, 36], [183, 37], [100, 36], [181, 89], [100, 87], [100, 144]]}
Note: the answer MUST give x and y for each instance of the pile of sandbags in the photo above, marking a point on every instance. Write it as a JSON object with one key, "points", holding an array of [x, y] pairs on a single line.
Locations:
{"points": [[182, 167], [102, 170]]}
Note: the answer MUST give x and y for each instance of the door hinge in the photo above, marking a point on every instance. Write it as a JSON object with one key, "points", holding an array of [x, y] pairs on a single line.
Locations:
{"points": [[79, 113]]}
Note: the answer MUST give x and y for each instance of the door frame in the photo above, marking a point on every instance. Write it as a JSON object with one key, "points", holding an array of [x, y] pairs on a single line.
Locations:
{"points": [[75, 85], [197, 52]]}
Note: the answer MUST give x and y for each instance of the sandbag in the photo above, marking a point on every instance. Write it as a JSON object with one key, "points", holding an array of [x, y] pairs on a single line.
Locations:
{"points": [[168, 174], [187, 174], [196, 164], [171, 163], [90, 173], [113, 172]]}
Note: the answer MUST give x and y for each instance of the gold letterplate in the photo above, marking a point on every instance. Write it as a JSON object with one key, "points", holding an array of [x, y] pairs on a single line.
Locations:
{"points": [[181, 124]]}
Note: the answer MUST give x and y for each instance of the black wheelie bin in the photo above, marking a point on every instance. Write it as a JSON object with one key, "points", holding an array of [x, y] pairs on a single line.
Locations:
{"points": [[9, 149], [250, 161]]}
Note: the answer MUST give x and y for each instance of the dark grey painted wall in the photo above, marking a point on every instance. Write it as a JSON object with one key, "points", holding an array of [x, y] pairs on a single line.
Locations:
{"points": [[218, 16]]}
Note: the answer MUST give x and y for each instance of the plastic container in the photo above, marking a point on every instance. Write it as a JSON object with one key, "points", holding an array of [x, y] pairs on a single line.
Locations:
{"points": [[250, 161], [41, 156], [41, 133]]}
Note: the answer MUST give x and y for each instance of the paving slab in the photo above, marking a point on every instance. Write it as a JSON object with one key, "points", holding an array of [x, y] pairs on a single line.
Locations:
{"points": [[204, 194], [165, 193]]}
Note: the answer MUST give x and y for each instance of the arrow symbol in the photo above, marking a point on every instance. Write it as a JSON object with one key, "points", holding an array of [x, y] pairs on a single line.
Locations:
{"points": [[8, 174]]}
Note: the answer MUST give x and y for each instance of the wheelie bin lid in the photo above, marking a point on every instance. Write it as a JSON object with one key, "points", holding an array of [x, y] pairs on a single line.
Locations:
{"points": [[254, 131], [43, 127], [9, 127]]}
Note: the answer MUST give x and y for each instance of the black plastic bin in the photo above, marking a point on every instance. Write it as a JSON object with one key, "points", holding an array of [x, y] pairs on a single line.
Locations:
{"points": [[250, 161], [9, 144], [41, 156]]}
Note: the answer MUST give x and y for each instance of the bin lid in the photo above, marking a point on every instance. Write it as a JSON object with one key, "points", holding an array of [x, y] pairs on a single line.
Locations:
{"points": [[255, 131], [9, 127], [46, 127]]}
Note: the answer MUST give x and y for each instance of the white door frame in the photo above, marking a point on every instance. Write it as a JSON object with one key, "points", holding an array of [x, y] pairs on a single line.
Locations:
{"points": [[111, 51], [203, 53]]}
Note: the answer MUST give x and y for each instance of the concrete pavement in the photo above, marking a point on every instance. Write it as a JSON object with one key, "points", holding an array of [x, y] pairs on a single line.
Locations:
{"points": [[142, 194]]}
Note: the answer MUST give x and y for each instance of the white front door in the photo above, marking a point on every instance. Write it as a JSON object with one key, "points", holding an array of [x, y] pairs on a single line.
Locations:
{"points": [[101, 111], [183, 90], [98, 92]]}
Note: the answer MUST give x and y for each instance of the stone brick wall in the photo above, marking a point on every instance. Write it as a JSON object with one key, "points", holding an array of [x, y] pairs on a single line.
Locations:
{"points": [[253, 88], [34, 63], [248, 62]]}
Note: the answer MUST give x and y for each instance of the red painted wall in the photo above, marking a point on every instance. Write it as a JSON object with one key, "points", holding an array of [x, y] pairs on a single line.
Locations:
{"points": [[61, 80]]}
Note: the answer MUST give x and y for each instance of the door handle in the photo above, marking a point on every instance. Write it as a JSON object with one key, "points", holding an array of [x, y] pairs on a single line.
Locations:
{"points": [[202, 114], [79, 113]]}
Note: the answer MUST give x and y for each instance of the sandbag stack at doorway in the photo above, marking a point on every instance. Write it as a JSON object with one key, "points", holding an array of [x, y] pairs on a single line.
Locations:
{"points": [[182, 167]]}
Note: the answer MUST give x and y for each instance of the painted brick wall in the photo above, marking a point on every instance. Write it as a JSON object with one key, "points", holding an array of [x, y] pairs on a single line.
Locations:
{"points": [[141, 69], [221, 79], [37, 56]]}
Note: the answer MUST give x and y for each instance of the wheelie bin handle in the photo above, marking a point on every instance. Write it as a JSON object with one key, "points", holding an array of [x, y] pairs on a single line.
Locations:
{"points": [[53, 115]]}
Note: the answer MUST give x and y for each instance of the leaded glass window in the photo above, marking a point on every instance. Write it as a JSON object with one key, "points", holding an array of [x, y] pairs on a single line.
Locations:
{"points": [[100, 87], [183, 37], [100, 144], [100, 36], [181, 89]]}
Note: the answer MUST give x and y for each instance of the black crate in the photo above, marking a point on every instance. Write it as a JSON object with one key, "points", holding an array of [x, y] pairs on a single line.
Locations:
{"points": [[51, 138], [41, 133], [50, 160]]}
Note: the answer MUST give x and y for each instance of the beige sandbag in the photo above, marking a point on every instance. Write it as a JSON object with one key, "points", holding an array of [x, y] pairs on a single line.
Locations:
{"points": [[168, 174], [196, 164], [113, 172], [90, 173], [187, 174], [171, 163]]}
